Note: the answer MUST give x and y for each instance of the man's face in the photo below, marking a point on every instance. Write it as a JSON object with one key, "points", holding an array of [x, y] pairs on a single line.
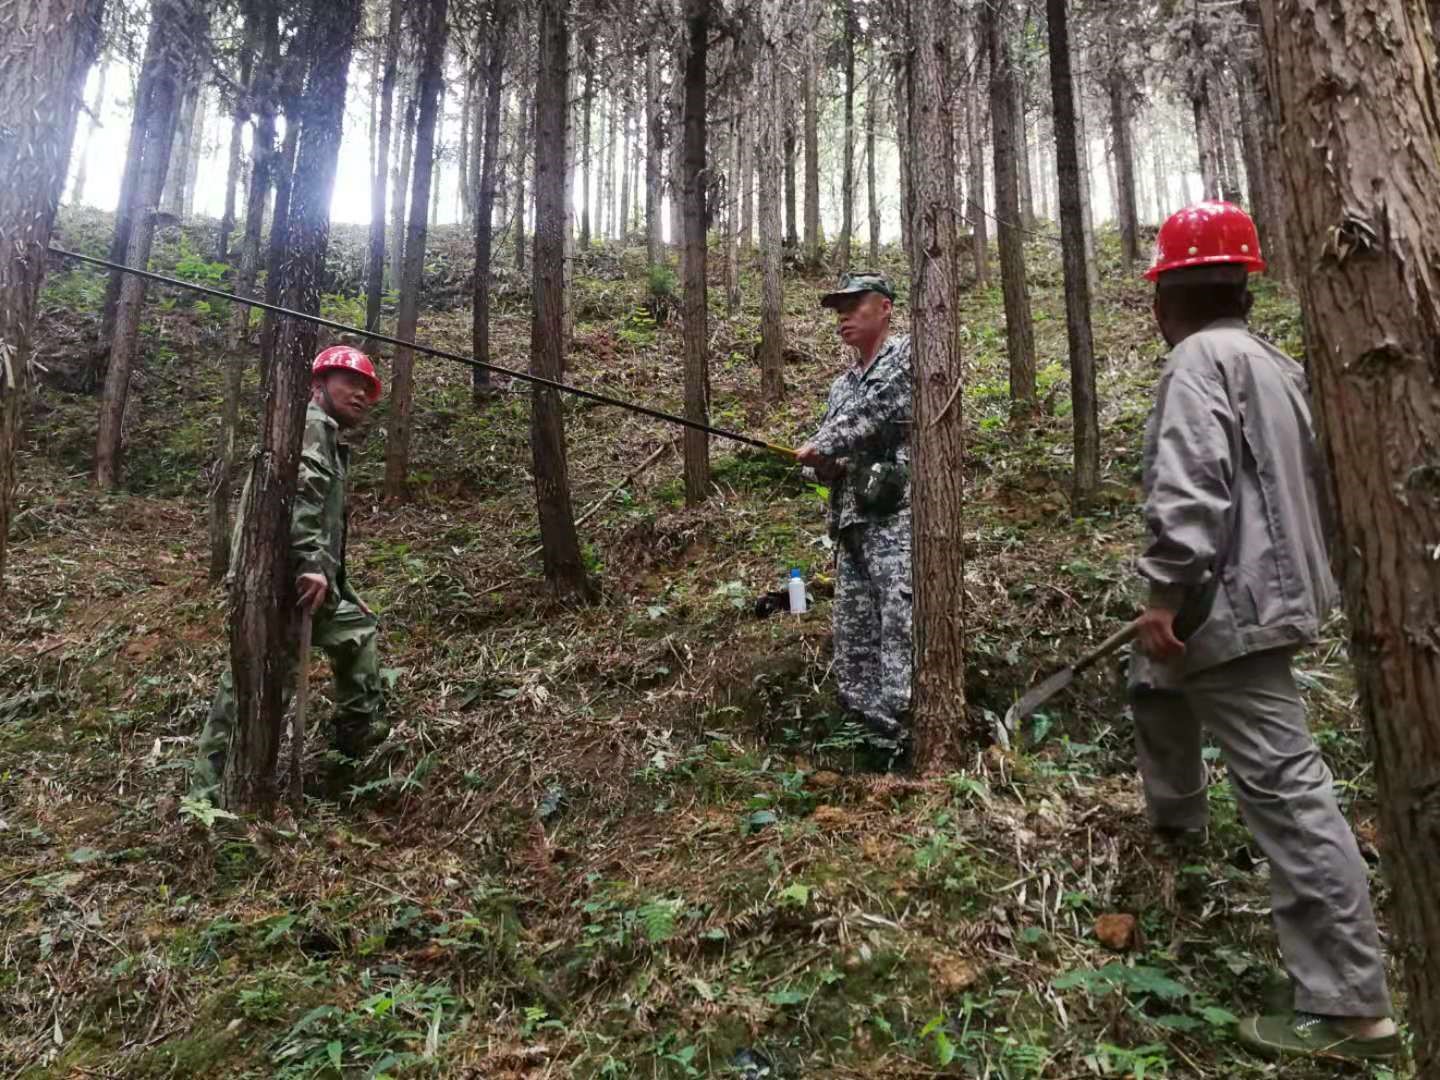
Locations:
{"points": [[862, 318], [348, 394]]}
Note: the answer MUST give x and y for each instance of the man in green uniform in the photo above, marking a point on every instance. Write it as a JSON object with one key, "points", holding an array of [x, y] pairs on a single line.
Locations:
{"points": [[344, 628]]}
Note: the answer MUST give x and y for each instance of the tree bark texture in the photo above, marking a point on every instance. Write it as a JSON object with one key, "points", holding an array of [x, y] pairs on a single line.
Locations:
{"points": [[1124, 169], [1085, 478], [176, 22], [792, 203], [1019, 329], [938, 449], [401, 179], [434, 31], [654, 150], [50, 45], [485, 203], [587, 108], [695, 306], [263, 597], [1356, 99], [872, 194], [847, 178], [732, 210], [772, 298], [812, 154], [902, 145], [749, 139], [974, 134], [375, 266], [196, 153], [240, 116], [564, 569], [172, 201]]}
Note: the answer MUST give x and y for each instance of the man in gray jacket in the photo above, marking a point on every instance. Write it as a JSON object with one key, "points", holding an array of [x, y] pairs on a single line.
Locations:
{"points": [[1239, 579]]}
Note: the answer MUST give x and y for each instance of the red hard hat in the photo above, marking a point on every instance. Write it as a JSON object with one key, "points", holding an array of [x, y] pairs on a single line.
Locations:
{"points": [[350, 359], [1207, 234]]}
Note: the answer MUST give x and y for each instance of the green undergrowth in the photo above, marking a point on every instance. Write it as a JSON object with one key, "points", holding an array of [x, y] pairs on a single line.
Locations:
{"points": [[633, 840]]}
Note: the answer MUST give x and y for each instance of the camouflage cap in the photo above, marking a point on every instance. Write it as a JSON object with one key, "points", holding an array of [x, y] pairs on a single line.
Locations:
{"points": [[859, 281]]}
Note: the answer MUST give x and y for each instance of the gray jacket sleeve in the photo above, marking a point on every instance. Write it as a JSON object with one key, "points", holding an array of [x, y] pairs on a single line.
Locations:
{"points": [[1188, 483]]}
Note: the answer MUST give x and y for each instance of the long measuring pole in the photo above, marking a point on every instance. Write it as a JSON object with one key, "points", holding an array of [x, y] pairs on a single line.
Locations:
{"points": [[591, 395]]}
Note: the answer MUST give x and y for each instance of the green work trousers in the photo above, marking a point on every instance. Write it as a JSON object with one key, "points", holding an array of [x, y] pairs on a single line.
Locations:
{"points": [[347, 635]]}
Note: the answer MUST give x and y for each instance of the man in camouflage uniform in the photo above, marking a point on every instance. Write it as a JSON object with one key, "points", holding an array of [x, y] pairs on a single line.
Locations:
{"points": [[862, 450], [344, 627]]}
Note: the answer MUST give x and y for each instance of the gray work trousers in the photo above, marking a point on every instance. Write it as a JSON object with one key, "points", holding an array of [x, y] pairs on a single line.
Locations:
{"points": [[1320, 895]]}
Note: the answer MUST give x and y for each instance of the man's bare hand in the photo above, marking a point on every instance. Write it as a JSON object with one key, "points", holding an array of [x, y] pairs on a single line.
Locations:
{"points": [[808, 455], [1157, 634], [311, 589]]}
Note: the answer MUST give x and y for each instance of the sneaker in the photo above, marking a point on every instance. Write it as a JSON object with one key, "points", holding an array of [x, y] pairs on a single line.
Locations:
{"points": [[1307, 1035]]}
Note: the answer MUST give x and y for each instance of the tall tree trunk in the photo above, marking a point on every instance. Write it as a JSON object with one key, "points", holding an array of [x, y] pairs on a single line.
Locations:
{"points": [[564, 569], [433, 31], [1209, 167], [611, 211], [401, 190], [1124, 168], [261, 29], [528, 136], [485, 206], [284, 176], [1019, 330], [902, 146], [437, 162], [847, 178], [626, 158], [696, 331], [464, 191], [1363, 181], [1022, 151], [974, 133], [772, 299], [872, 195], [792, 204], [1085, 479], [1230, 189], [1162, 188], [654, 149], [263, 598], [49, 47], [587, 107], [746, 178], [677, 159], [240, 116], [77, 193], [175, 21], [567, 272], [938, 570], [1087, 202], [812, 153], [732, 206], [196, 153], [1254, 156], [173, 200], [375, 267]]}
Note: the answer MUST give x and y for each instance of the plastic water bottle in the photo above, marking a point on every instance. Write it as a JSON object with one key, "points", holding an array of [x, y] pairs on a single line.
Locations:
{"points": [[797, 593]]}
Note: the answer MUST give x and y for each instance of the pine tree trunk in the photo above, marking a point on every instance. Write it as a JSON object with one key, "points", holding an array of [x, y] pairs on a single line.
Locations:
{"points": [[902, 146], [772, 299], [77, 194], [1022, 154], [937, 491], [587, 107], [261, 28], [1124, 169], [433, 32], [175, 21], [1087, 201], [485, 207], [612, 189], [1019, 330], [263, 598], [974, 133], [196, 154], [1209, 170], [626, 159], [527, 131], [732, 212], [677, 161], [173, 200], [1363, 182], [401, 192], [812, 155], [465, 192], [792, 204], [1162, 192], [567, 272], [695, 306], [872, 195], [240, 116], [847, 180], [375, 267], [437, 162], [745, 176], [49, 47], [1254, 156], [1230, 190], [654, 149], [564, 570], [284, 176], [1085, 479]]}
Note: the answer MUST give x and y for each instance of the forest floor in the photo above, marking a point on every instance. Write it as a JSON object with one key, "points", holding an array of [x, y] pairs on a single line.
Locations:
{"points": [[631, 840]]}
